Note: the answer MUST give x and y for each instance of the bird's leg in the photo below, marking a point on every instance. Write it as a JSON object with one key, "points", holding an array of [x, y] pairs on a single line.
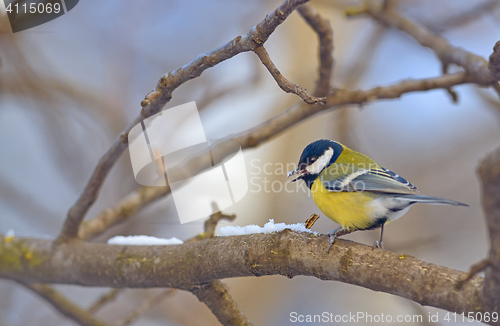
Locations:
{"points": [[333, 235], [380, 244]]}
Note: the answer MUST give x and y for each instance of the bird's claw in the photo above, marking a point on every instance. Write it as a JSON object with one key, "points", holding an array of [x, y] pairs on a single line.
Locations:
{"points": [[378, 244], [332, 241], [333, 235]]}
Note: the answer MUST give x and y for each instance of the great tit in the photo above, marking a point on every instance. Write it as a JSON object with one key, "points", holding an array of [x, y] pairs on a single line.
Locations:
{"points": [[355, 191]]}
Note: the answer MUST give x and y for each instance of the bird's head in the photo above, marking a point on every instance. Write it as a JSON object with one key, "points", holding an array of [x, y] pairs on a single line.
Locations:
{"points": [[314, 159]]}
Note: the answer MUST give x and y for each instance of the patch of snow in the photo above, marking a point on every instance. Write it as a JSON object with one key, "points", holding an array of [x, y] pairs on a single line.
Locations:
{"points": [[143, 240], [269, 227]]}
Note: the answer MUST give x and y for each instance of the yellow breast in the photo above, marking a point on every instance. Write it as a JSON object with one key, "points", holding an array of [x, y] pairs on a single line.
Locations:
{"points": [[349, 209]]}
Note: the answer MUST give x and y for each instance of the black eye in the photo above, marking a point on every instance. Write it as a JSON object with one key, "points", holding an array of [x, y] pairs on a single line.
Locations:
{"points": [[314, 158]]}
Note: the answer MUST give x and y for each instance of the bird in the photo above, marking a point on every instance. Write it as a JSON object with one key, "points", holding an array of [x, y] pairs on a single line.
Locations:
{"points": [[355, 191]]}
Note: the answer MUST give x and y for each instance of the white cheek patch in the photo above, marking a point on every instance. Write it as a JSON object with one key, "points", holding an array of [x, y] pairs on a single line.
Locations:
{"points": [[321, 162]]}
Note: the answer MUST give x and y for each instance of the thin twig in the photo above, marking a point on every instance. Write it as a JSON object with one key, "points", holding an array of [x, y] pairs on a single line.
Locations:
{"points": [[324, 30], [451, 92], [283, 83], [129, 206], [104, 299], [145, 306], [157, 99], [64, 305], [475, 65], [474, 270], [211, 224], [465, 17]]}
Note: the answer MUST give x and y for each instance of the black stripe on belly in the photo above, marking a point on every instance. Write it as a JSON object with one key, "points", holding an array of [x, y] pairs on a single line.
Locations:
{"points": [[381, 220], [378, 223]]}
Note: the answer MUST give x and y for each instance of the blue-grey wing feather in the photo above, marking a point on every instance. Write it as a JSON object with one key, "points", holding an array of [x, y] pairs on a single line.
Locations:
{"points": [[386, 182]]}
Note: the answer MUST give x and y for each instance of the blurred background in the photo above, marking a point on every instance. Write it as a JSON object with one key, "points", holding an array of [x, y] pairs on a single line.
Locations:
{"points": [[68, 87]]}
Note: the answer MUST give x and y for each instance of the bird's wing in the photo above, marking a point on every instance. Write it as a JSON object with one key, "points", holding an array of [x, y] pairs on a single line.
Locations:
{"points": [[374, 180]]}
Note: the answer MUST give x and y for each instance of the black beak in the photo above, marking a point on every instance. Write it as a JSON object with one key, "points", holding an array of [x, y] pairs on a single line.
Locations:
{"points": [[300, 174]]}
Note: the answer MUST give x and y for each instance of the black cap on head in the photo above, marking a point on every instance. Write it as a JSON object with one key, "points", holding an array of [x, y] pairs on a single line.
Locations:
{"points": [[316, 149], [313, 152]]}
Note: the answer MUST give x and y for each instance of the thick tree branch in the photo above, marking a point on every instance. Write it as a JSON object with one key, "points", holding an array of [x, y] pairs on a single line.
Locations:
{"points": [[325, 35], [285, 253], [157, 99], [489, 171], [283, 83], [64, 305]]}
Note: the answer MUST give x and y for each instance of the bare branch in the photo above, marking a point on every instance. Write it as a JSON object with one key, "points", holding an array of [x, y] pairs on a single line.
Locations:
{"points": [[145, 306], [489, 171], [104, 299], [283, 83], [465, 17], [211, 224], [157, 99], [284, 253], [342, 97], [475, 65], [64, 305], [475, 269], [220, 302], [89, 195], [257, 36], [121, 212], [325, 34]]}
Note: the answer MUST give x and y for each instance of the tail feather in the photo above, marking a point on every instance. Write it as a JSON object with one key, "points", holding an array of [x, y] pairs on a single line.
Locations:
{"points": [[430, 200]]}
